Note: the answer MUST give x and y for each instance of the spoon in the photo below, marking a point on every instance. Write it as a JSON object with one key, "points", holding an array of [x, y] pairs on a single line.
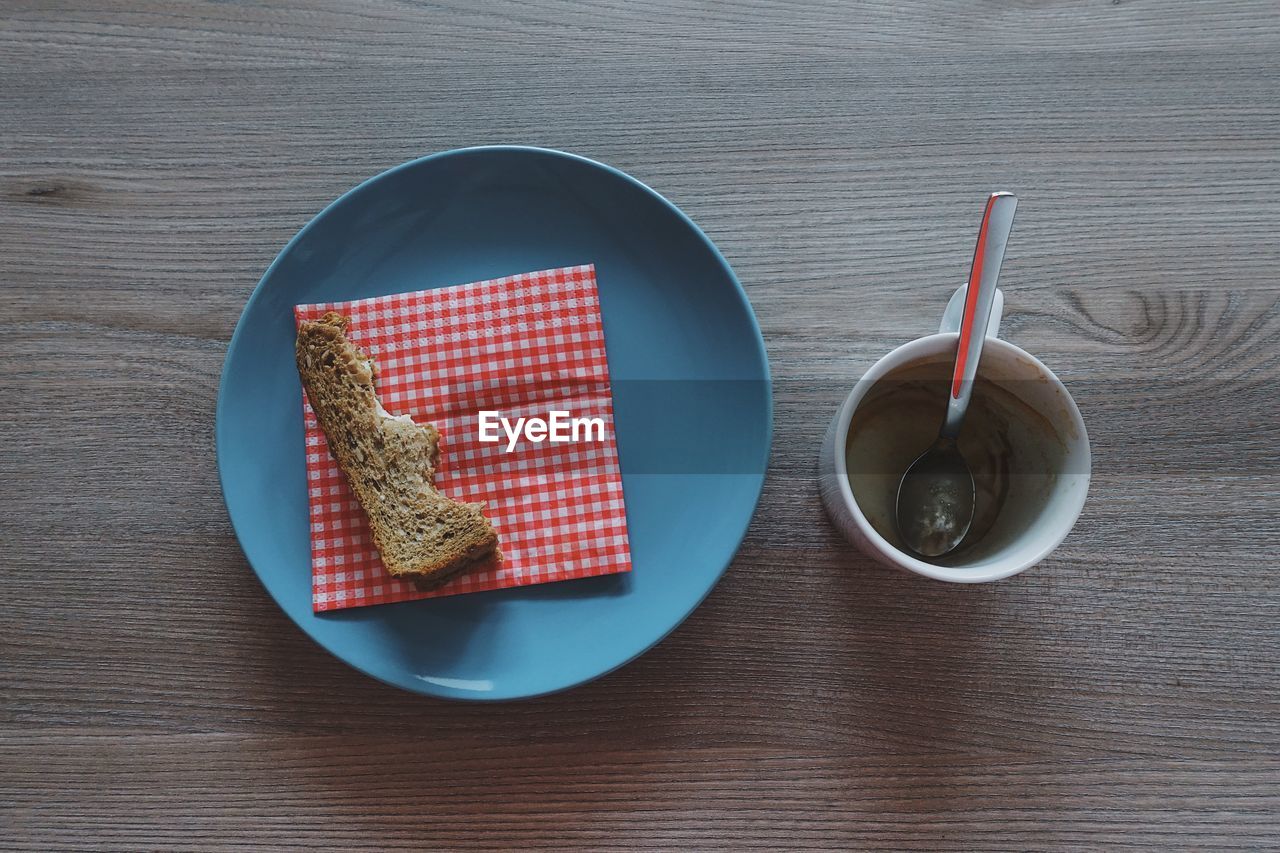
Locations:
{"points": [[936, 495]]}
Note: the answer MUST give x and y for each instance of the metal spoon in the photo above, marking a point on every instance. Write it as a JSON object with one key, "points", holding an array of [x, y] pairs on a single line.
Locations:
{"points": [[936, 495]]}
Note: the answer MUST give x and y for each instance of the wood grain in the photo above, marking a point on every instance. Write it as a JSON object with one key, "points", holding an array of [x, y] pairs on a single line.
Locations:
{"points": [[154, 157]]}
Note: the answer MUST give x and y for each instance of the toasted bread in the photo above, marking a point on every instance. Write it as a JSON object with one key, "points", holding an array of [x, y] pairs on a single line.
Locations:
{"points": [[390, 462]]}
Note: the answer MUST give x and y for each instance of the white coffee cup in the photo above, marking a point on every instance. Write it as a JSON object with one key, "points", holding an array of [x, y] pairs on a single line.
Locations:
{"points": [[1040, 505]]}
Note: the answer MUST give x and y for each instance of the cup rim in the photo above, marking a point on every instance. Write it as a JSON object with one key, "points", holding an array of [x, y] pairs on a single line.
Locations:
{"points": [[906, 353]]}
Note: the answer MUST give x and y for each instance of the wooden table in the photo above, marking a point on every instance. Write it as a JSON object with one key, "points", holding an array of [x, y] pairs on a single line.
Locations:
{"points": [[154, 156]]}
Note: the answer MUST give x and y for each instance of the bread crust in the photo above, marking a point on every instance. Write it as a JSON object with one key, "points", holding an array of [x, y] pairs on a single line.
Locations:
{"points": [[390, 462]]}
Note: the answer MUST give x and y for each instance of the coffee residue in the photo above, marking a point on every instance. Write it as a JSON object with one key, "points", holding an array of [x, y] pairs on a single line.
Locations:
{"points": [[1011, 449]]}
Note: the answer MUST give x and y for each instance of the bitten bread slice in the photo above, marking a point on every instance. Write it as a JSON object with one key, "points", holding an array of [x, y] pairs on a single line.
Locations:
{"points": [[390, 462]]}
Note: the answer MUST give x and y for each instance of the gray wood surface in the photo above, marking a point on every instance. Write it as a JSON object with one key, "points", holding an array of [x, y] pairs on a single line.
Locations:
{"points": [[154, 156]]}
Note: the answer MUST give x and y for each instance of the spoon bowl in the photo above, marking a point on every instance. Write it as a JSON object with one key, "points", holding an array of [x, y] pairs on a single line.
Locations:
{"points": [[936, 499]]}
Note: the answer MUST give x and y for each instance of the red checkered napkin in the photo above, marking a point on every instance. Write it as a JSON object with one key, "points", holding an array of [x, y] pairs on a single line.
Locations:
{"points": [[524, 346]]}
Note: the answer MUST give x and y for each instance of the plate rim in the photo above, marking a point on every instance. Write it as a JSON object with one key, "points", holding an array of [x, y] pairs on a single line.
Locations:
{"points": [[427, 689]]}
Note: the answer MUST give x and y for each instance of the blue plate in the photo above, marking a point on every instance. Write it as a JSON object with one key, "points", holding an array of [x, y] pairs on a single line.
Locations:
{"points": [[692, 407]]}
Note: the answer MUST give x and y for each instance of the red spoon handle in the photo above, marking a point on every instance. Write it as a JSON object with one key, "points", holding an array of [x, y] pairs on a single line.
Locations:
{"points": [[997, 222]]}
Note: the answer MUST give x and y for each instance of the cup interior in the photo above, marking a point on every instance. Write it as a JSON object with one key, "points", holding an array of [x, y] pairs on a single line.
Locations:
{"points": [[1024, 441]]}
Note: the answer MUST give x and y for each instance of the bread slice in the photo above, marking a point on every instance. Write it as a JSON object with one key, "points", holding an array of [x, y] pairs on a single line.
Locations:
{"points": [[390, 462]]}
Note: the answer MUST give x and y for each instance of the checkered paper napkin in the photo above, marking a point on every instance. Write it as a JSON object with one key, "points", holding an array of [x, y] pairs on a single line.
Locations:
{"points": [[524, 346]]}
